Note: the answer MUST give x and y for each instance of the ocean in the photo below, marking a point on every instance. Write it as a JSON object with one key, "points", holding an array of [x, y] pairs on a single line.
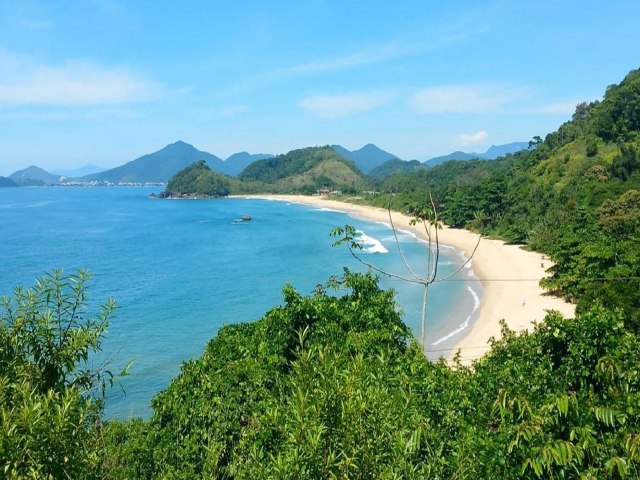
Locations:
{"points": [[181, 269]]}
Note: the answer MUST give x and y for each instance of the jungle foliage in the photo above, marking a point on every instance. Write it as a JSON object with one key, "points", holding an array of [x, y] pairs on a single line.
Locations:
{"points": [[334, 386]]}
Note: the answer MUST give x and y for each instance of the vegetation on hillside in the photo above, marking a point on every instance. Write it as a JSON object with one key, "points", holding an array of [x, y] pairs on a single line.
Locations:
{"points": [[198, 180], [305, 171], [394, 166]]}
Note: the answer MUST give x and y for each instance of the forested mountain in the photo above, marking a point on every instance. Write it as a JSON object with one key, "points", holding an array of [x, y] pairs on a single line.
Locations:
{"points": [[390, 167], [305, 171], [366, 158], [331, 384], [34, 176], [159, 166]]}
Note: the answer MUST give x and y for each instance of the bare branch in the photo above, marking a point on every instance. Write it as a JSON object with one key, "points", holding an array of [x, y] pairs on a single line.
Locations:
{"points": [[395, 235]]}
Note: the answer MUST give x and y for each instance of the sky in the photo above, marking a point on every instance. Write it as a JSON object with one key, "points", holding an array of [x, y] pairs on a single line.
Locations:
{"points": [[103, 82]]}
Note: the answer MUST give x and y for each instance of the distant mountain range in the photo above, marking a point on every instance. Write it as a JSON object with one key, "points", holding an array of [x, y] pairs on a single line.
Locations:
{"points": [[367, 158], [492, 153], [160, 166]]}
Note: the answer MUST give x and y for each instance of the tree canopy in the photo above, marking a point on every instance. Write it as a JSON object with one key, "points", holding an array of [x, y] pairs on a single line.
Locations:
{"points": [[198, 179]]}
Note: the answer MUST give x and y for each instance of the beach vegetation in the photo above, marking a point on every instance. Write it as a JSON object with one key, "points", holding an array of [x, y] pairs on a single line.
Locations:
{"points": [[51, 396]]}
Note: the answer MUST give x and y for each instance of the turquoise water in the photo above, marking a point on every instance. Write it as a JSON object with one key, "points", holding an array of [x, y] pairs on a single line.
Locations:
{"points": [[180, 269]]}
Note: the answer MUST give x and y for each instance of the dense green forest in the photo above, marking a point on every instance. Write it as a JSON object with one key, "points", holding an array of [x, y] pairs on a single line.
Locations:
{"points": [[198, 179], [332, 385], [305, 171]]}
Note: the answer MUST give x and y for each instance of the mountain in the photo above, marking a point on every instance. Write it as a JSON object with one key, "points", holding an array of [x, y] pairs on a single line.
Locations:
{"points": [[496, 151], [78, 172], [305, 171], [492, 153], [159, 166], [7, 182], [237, 162], [366, 158], [396, 166], [34, 176]]}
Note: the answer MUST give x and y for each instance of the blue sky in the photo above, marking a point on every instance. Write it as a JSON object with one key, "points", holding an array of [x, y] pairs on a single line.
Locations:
{"points": [[105, 81]]}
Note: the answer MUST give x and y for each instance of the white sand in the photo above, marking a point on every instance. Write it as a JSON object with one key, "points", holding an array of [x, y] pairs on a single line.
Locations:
{"points": [[509, 276]]}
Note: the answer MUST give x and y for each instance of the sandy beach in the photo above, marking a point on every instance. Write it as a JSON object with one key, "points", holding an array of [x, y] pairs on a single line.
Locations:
{"points": [[509, 275]]}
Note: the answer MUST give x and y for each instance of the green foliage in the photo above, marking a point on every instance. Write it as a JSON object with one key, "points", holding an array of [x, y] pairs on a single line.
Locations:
{"points": [[334, 387], [618, 115], [305, 171], [49, 419], [198, 179]]}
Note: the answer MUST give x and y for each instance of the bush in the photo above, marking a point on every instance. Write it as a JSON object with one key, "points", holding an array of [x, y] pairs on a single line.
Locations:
{"points": [[50, 402]]}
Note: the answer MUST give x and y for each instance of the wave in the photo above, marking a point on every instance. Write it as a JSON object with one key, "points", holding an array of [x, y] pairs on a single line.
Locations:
{"points": [[465, 324], [327, 209], [370, 244]]}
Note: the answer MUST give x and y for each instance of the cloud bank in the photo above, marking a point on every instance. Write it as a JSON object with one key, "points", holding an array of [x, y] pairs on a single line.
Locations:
{"points": [[71, 84], [464, 99]]}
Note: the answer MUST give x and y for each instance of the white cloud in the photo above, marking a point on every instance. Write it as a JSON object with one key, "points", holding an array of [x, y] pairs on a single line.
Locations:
{"points": [[72, 83], [379, 54], [464, 99], [477, 138], [334, 106]]}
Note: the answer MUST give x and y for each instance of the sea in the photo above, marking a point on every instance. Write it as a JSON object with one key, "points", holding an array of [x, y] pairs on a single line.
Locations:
{"points": [[181, 269]]}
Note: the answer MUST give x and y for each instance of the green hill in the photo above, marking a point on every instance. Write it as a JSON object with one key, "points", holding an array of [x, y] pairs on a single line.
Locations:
{"points": [[394, 166], [305, 170], [197, 180]]}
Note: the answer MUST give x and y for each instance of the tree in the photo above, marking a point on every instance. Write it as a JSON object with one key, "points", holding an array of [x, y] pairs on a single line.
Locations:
{"points": [[50, 400], [535, 142], [428, 218]]}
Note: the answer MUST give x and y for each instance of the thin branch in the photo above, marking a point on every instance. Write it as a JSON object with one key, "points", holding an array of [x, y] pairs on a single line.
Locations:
{"points": [[395, 235], [473, 252], [435, 219], [388, 274]]}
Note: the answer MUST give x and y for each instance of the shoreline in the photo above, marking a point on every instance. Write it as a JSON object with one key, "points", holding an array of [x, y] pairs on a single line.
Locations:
{"points": [[509, 275]]}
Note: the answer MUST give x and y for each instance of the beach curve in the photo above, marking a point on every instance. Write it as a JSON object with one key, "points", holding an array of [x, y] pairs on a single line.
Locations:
{"points": [[509, 275]]}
